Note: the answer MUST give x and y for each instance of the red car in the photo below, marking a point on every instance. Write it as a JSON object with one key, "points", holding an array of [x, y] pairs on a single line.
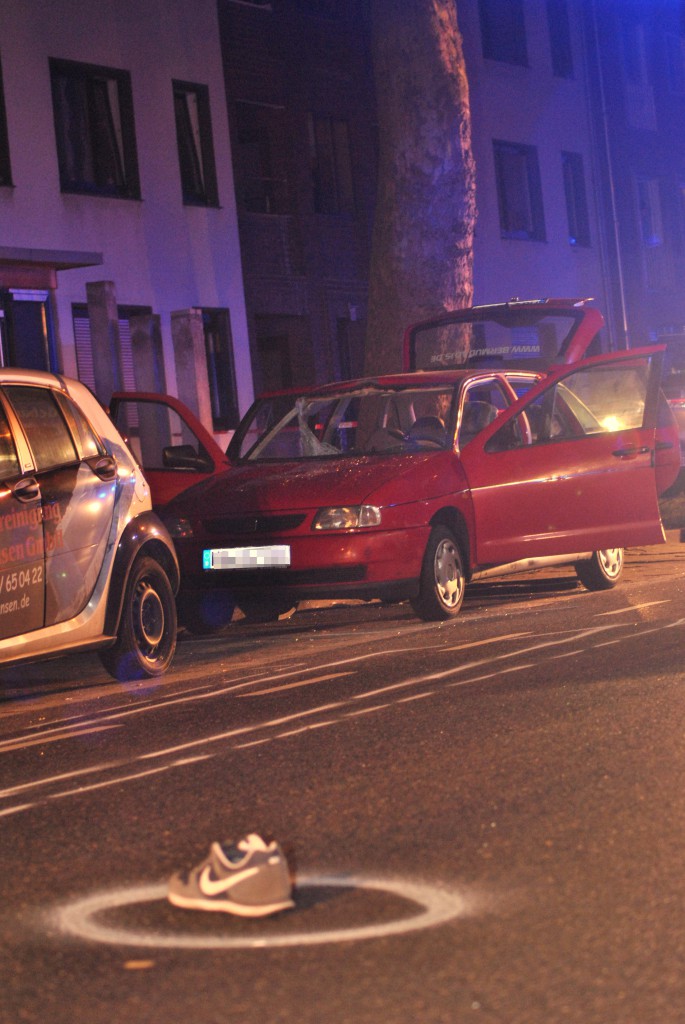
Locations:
{"points": [[409, 486]]}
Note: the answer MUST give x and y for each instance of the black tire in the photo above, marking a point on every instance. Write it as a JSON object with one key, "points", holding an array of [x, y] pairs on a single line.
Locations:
{"points": [[267, 610], [443, 581], [205, 612], [602, 571], [147, 630]]}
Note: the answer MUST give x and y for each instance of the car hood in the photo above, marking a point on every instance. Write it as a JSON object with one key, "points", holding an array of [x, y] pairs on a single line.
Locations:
{"points": [[317, 483]]}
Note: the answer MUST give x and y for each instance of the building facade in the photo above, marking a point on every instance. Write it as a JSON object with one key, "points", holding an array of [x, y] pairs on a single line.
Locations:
{"points": [[187, 195], [301, 109], [119, 250], [638, 92]]}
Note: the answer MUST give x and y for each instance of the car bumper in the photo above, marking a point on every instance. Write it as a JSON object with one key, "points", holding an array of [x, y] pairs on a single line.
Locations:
{"points": [[383, 563]]}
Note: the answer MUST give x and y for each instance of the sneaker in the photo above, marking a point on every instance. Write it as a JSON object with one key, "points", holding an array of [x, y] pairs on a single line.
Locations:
{"points": [[249, 879]]}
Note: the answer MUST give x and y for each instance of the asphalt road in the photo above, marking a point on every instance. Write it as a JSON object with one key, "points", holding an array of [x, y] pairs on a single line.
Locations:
{"points": [[485, 818]]}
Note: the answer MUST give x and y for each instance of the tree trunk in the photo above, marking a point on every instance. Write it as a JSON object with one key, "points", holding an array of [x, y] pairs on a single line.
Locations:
{"points": [[421, 261]]}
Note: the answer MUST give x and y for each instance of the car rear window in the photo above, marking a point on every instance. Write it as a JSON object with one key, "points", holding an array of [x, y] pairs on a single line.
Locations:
{"points": [[44, 426], [9, 463]]}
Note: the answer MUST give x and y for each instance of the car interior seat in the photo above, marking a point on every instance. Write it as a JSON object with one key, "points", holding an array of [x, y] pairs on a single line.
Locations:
{"points": [[428, 428], [474, 418]]}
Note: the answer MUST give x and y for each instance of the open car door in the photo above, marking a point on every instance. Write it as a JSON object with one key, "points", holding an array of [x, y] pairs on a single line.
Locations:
{"points": [[173, 448], [570, 467]]}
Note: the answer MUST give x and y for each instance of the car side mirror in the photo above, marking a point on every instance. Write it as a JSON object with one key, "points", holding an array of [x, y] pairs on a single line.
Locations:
{"points": [[184, 456]]}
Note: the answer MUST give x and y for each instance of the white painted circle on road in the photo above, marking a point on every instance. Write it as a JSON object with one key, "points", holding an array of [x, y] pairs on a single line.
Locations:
{"points": [[436, 906]]}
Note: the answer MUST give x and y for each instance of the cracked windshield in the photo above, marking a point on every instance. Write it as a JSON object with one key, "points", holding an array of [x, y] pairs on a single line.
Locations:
{"points": [[363, 422]]}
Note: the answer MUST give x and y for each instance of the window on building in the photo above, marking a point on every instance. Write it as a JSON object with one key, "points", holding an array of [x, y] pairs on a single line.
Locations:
{"points": [[560, 38], [576, 199], [675, 63], [5, 169], [518, 190], [638, 90], [633, 45], [96, 147], [260, 148], [503, 31], [195, 146], [220, 368], [649, 210], [329, 148], [656, 256], [85, 356]]}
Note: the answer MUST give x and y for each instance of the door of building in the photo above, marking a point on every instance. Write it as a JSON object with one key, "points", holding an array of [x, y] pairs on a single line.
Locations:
{"points": [[26, 336]]}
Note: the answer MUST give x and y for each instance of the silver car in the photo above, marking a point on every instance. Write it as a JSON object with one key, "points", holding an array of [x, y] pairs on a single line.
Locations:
{"points": [[84, 562]]}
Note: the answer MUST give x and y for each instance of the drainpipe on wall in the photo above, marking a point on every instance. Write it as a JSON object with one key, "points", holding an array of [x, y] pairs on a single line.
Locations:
{"points": [[623, 342]]}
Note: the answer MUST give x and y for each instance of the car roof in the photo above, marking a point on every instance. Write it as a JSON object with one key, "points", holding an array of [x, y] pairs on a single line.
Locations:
{"points": [[415, 379], [19, 375]]}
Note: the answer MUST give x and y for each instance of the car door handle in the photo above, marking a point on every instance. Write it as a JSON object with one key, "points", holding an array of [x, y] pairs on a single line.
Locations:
{"points": [[105, 467], [631, 451], [26, 489], [662, 446]]}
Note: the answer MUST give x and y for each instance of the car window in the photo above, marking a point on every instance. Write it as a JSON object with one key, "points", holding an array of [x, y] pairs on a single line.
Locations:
{"points": [[368, 421], [90, 443], [9, 463], [482, 403], [44, 426], [159, 438], [594, 400]]}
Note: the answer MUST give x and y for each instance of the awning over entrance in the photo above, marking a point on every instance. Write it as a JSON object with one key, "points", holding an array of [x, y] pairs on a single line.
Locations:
{"points": [[37, 268], [28, 277]]}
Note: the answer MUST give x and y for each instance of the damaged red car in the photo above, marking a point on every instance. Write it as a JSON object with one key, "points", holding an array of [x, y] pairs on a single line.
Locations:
{"points": [[409, 486]]}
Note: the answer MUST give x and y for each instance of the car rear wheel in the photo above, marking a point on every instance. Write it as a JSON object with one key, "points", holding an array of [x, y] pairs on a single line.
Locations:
{"points": [[266, 610], [442, 582], [602, 571], [147, 631]]}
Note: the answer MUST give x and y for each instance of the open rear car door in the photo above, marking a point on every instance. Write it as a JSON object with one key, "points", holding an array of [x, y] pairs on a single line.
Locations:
{"points": [[571, 466]]}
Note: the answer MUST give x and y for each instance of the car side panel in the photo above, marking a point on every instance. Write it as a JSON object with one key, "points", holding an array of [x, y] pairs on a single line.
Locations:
{"points": [[78, 509], [22, 577], [555, 499]]}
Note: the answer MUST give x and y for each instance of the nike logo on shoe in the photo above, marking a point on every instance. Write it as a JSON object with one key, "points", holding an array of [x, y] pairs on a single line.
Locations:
{"points": [[213, 887]]}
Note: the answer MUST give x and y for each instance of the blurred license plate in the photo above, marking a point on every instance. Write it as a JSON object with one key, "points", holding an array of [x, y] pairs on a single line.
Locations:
{"points": [[246, 558]]}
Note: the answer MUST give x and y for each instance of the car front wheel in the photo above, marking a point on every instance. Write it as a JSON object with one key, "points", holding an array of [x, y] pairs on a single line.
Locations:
{"points": [[602, 571], [147, 632], [442, 582]]}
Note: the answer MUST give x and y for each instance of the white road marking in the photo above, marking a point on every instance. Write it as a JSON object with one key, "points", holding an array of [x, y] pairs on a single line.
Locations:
{"points": [[299, 716], [297, 683], [630, 608], [52, 736], [437, 906]]}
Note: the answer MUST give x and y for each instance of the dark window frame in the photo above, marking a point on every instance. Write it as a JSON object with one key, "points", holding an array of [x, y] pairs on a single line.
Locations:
{"points": [[503, 31], [102, 159], [331, 164], [194, 139], [260, 142], [575, 191], [560, 38], [521, 217], [223, 394], [5, 165]]}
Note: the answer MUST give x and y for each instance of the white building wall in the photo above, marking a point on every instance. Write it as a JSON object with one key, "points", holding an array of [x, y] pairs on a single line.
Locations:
{"points": [[157, 251], [530, 106]]}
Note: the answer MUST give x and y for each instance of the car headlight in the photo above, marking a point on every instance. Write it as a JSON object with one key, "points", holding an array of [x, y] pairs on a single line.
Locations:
{"points": [[347, 517], [178, 526]]}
